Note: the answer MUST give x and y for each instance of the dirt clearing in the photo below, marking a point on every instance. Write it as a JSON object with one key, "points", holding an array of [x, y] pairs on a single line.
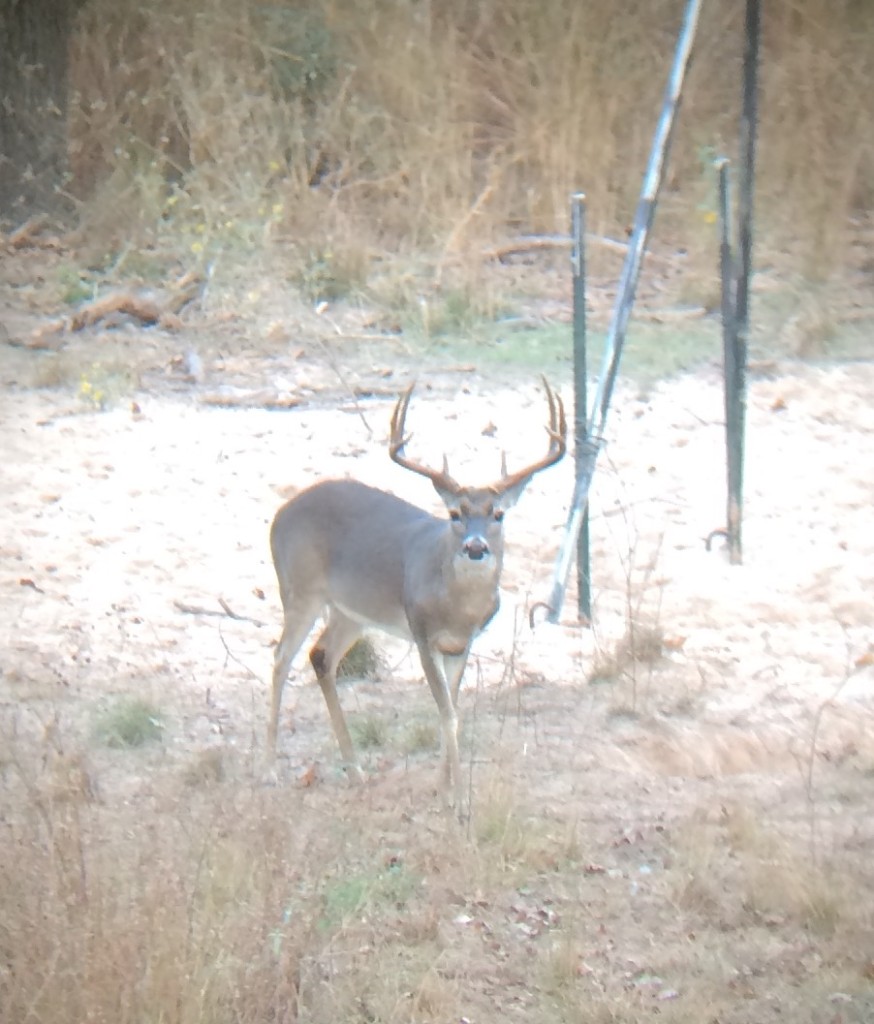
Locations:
{"points": [[672, 812]]}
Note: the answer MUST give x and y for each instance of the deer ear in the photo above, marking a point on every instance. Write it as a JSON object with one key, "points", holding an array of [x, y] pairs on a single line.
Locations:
{"points": [[448, 494], [506, 499]]}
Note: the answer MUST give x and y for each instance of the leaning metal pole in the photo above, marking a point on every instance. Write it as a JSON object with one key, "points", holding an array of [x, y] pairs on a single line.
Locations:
{"points": [[622, 310]]}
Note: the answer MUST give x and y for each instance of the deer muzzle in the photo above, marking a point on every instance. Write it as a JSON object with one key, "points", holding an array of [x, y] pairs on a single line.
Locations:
{"points": [[475, 548]]}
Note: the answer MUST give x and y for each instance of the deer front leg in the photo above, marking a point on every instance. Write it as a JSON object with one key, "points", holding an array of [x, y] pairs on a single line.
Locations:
{"points": [[440, 688], [454, 666], [453, 670]]}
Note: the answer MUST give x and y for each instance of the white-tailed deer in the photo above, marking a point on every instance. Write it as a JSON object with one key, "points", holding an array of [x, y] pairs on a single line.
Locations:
{"points": [[364, 558]]}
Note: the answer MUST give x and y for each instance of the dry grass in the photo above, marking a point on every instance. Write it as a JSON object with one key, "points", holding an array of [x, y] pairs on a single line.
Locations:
{"points": [[773, 879], [630, 658], [356, 138], [183, 889]]}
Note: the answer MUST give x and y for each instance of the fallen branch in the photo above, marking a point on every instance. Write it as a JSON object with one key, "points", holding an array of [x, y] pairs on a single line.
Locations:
{"points": [[539, 243], [140, 307], [154, 308], [226, 612], [232, 657], [239, 399]]}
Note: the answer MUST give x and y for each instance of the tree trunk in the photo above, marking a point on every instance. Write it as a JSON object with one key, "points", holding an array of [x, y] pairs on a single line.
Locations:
{"points": [[34, 48]]}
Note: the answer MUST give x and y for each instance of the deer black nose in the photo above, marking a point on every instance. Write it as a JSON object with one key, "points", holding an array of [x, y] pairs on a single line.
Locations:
{"points": [[475, 548]]}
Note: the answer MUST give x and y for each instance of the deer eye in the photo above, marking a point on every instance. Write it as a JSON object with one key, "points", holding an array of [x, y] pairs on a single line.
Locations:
{"points": [[454, 515], [498, 514]]}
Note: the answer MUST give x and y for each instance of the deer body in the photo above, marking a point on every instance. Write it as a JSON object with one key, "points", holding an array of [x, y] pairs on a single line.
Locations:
{"points": [[331, 543], [363, 558]]}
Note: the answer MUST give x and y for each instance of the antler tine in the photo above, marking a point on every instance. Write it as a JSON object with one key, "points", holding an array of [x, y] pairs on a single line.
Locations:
{"points": [[397, 442], [557, 430], [398, 422], [560, 435]]}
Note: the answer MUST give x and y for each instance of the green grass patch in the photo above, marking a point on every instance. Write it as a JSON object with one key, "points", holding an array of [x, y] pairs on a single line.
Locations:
{"points": [[651, 352], [369, 732], [74, 285], [361, 661], [129, 722], [353, 895], [420, 737]]}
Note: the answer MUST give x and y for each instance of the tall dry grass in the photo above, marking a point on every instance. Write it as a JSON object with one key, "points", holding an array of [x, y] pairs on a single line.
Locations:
{"points": [[168, 900], [355, 133], [124, 918], [202, 903]]}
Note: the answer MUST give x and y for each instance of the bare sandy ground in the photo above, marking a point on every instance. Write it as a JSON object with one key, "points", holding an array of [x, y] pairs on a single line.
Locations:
{"points": [[118, 525]]}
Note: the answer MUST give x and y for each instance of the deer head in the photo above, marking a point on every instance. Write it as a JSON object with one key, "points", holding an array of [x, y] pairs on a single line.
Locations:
{"points": [[476, 513]]}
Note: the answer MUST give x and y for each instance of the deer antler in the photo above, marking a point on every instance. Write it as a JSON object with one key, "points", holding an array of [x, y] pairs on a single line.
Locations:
{"points": [[441, 479], [557, 430]]}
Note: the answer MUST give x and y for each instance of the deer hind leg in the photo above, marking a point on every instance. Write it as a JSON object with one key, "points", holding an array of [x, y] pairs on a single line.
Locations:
{"points": [[327, 653], [299, 619]]}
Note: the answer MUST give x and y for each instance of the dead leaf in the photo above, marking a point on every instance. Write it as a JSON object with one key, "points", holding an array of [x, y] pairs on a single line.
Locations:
{"points": [[170, 321], [276, 331]]}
